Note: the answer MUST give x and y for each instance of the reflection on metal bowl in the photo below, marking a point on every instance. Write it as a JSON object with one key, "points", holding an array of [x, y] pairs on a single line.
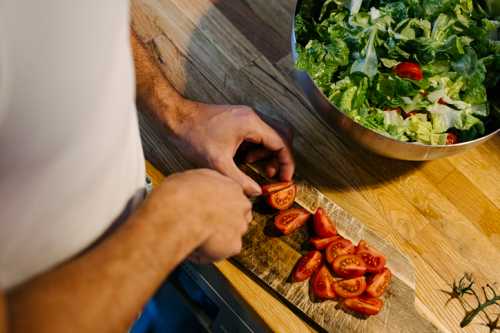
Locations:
{"points": [[371, 140]]}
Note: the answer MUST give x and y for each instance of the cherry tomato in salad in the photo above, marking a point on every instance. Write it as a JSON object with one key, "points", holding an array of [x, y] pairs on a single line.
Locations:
{"points": [[307, 265], [364, 305], [374, 260], [282, 199], [409, 70], [337, 248], [323, 226], [349, 266], [322, 284], [451, 139], [322, 243], [273, 187], [351, 287], [379, 283], [290, 220]]}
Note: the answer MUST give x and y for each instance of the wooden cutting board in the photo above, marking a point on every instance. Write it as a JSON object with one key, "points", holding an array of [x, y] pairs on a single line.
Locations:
{"points": [[270, 258]]}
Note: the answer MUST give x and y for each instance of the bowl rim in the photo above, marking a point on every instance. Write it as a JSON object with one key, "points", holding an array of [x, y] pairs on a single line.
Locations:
{"points": [[335, 108]]}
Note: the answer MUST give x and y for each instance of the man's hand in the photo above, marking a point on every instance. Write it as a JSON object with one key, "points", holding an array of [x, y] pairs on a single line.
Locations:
{"points": [[208, 204], [212, 134]]}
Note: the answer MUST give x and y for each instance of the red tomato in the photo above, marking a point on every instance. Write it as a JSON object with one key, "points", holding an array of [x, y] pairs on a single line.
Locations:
{"points": [[273, 187], [307, 265], [282, 199], [322, 243], [349, 266], [290, 220], [409, 70], [322, 284], [364, 305], [350, 288], [441, 101], [339, 247], [374, 260], [451, 139], [323, 226], [378, 284]]}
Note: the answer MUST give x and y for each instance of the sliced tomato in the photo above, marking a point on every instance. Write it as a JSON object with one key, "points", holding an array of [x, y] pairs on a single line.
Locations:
{"points": [[282, 199], [351, 287], [322, 284], [290, 220], [379, 283], [364, 305], [374, 260], [307, 265], [273, 187], [323, 226], [322, 243], [451, 139], [409, 70], [349, 266], [338, 248]]}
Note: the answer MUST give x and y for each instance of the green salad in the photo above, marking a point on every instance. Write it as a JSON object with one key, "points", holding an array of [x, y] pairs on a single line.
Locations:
{"points": [[416, 71]]}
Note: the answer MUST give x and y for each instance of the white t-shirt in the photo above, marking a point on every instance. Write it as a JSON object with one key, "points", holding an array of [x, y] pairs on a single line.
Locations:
{"points": [[70, 153]]}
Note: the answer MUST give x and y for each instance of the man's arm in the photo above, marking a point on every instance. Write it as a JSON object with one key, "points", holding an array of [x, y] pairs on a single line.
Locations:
{"points": [[210, 135], [3, 314], [104, 289]]}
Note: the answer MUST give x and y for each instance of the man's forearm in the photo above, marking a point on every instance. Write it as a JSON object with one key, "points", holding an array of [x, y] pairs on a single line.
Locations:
{"points": [[3, 313], [104, 289], [154, 92]]}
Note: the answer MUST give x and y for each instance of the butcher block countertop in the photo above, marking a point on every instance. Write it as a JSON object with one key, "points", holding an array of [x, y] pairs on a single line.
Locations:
{"points": [[444, 215]]}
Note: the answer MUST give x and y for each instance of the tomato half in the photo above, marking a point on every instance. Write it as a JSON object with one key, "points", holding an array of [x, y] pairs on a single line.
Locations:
{"points": [[273, 187], [451, 139], [323, 226], [374, 260], [307, 265], [290, 220], [338, 248], [282, 199], [409, 70], [364, 305], [379, 283], [322, 284], [322, 243], [349, 266], [351, 287]]}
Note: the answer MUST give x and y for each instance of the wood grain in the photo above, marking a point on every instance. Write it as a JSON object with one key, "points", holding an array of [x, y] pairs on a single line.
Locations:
{"points": [[445, 214]]}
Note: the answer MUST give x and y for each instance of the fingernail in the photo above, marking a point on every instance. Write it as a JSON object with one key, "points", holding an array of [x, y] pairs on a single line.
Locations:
{"points": [[256, 191]]}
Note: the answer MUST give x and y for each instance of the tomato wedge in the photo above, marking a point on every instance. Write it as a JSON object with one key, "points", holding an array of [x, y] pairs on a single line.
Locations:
{"points": [[364, 305], [322, 284], [273, 187], [282, 199], [409, 70], [349, 266], [350, 288], [451, 139], [337, 248], [290, 220], [307, 265], [379, 283], [323, 226], [322, 243], [374, 260]]}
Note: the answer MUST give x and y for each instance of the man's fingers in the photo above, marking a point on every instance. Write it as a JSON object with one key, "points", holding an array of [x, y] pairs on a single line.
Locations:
{"points": [[261, 133], [228, 167], [257, 155], [272, 168]]}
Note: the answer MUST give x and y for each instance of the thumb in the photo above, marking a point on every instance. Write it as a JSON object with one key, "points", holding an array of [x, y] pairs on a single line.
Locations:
{"points": [[229, 168]]}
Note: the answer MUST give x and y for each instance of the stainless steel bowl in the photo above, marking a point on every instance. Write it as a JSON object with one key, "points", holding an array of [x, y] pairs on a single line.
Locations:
{"points": [[370, 140]]}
